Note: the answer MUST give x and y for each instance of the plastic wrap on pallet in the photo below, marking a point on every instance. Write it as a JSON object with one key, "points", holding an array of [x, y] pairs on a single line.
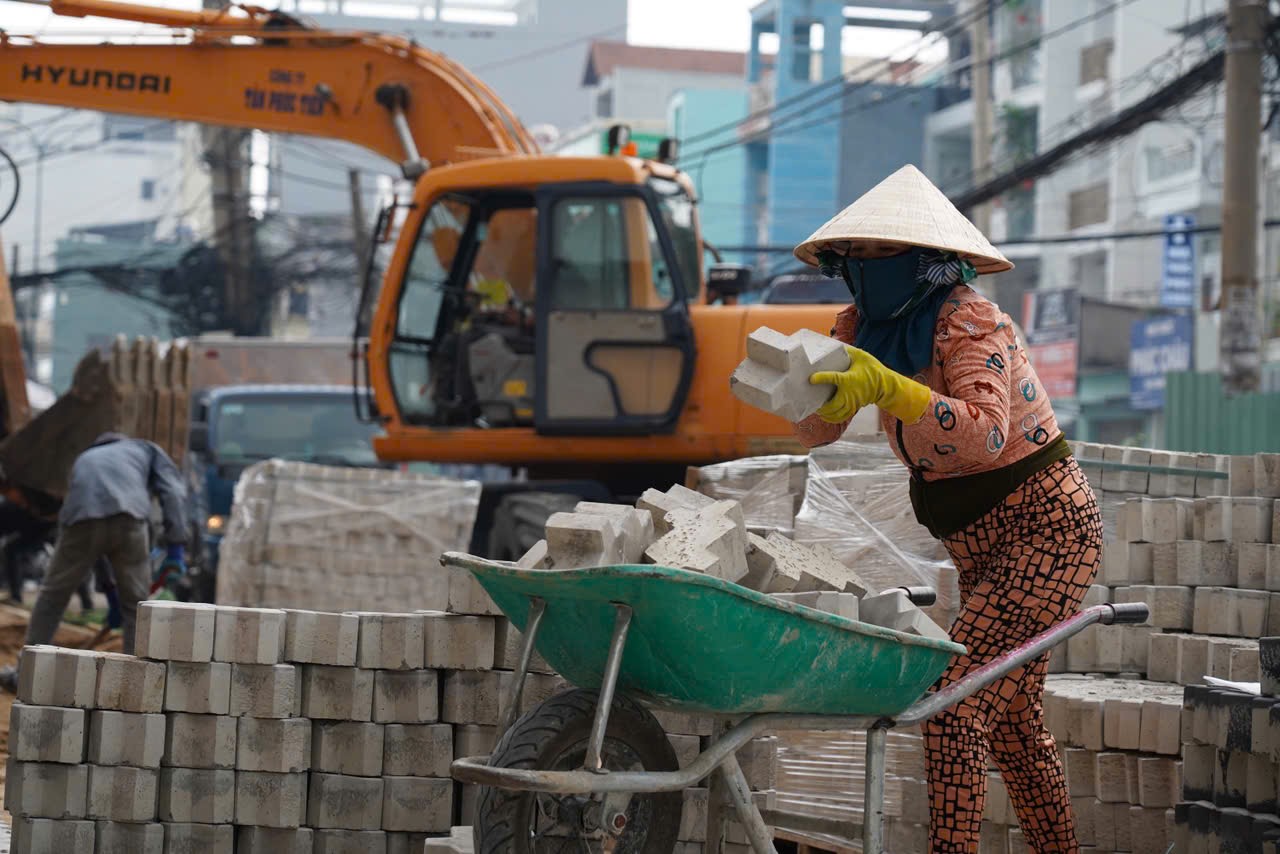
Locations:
{"points": [[332, 538], [769, 488], [856, 503]]}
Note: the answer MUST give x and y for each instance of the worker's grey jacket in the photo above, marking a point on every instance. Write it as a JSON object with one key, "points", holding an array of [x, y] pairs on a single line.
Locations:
{"points": [[120, 476]]}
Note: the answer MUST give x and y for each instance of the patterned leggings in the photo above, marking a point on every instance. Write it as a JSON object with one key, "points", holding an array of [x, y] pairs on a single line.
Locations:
{"points": [[1024, 566]]}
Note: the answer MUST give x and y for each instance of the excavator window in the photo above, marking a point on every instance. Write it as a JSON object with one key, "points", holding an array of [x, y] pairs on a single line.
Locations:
{"points": [[678, 217]]}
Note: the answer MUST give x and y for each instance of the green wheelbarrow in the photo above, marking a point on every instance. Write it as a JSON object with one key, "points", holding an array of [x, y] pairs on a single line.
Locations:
{"points": [[591, 769]]}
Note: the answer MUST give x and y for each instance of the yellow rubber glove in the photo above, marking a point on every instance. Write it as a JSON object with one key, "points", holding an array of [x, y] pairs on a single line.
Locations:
{"points": [[867, 381]]}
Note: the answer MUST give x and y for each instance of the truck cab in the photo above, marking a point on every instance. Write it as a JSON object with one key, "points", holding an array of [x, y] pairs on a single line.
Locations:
{"points": [[235, 426]]}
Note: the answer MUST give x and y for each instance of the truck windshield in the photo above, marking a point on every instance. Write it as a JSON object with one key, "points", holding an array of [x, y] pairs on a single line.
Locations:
{"points": [[314, 428], [678, 216]]}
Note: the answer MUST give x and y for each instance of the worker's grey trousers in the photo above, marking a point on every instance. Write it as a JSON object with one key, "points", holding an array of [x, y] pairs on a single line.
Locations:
{"points": [[121, 539]]}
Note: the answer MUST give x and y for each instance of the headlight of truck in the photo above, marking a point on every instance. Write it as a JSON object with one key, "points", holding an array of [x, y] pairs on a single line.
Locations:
{"points": [[215, 524]]}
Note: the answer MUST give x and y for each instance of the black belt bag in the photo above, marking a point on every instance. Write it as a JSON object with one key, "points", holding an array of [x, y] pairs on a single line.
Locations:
{"points": [[954, 503]]}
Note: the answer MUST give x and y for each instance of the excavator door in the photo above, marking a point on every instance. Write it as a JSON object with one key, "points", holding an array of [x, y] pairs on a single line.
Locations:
{"points": [[615, 351]]}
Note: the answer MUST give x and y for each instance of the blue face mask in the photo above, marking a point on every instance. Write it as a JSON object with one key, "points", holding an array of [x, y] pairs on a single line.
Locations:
{"points": [[897, 304]]}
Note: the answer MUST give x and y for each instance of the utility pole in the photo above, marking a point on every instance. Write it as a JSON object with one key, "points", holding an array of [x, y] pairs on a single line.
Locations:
{"points": [[359, 227], [980, 74], [1240, 342]]}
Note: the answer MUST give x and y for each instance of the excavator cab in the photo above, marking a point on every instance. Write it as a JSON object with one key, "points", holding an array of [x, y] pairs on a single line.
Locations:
{"points": [[563, 307]]}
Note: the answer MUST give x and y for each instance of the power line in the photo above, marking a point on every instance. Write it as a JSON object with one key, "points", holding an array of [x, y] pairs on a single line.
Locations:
{"points": [[908, 90], [949, 27], [545, 51]]}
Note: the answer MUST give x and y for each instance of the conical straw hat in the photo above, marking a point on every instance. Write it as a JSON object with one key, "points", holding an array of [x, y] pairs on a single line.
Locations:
{"points": [[904, 208]]}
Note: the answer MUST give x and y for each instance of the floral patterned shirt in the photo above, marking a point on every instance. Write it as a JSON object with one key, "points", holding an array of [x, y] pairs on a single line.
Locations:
{"points": [[988, 408]]}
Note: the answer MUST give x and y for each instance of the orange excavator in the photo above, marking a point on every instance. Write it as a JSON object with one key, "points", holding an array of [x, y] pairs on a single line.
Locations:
{"points": [[551, 314]]}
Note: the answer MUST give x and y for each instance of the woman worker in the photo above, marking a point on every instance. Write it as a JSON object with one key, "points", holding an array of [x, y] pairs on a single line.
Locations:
{"points": [[991, 476]]}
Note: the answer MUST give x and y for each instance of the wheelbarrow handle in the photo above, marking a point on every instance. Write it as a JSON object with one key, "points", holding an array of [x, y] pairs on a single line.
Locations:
{"points": [[921, 597], [1126, 612]]}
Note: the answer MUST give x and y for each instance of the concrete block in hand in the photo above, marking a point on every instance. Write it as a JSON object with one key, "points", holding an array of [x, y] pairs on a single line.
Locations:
{"points": [[199, 795], [457, 642], [337, 693], [188, 838], [46, 789], [200, 688], [893, 610], [175, 631], [346, 802], [828, 601], [635, 526], [280, 746], [417, 804], [417, 750], [274, 840], [315, 637], [347, 747], [249, 635], [775, 375], [129, 684], [200, 741], [119, 837], [46, 734], [391, 641], [122, 793], [336, 841], [407, 696], [1251, 519], [264, 690], [53, 676], [48, 836], [125, 738], [712, 541], [271, 800]]}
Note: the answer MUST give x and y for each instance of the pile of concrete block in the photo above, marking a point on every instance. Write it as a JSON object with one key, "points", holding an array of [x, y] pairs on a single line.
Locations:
{"points": [[770, 489], [687, 529], [775, 375], [332, 538], [1231, 760]]}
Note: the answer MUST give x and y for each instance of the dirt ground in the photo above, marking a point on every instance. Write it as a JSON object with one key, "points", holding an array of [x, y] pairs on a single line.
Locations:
{"points": [[13, 629]]}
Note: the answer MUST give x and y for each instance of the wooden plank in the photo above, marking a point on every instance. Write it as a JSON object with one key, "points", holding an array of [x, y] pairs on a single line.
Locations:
{"points": [[13, 372], [180, 386]]}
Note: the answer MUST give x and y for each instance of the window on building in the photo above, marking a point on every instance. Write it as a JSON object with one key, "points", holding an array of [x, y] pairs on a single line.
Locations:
{"points": [[148, 189], [1089, 206], [604, 104]]}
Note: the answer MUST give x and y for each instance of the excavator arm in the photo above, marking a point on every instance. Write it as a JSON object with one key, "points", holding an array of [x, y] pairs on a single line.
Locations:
{"points": [[250, 68]]}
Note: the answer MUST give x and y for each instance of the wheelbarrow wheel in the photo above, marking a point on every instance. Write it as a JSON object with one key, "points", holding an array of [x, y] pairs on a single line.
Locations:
{"points": [[553, 736]]}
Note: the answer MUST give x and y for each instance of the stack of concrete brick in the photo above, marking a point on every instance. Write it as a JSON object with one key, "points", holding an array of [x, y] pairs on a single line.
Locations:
{"points": [[334, 538], [253, 730], [687, 529], [1231, 756]]}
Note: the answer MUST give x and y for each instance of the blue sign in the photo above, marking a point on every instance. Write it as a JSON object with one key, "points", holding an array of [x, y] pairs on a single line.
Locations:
{"points": [[1178, 274], [1158, 345]]}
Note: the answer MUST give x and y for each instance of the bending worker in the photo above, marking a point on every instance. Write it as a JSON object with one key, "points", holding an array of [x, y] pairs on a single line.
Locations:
{"points": [[991, 476], [105, 514]]}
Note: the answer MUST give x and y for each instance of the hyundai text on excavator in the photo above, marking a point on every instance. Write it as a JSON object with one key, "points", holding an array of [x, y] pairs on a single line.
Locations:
{"points": [[546, 313]]}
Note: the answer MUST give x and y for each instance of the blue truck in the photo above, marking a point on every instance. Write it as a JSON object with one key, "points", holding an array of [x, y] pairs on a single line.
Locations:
{"points": [[235, 426]]}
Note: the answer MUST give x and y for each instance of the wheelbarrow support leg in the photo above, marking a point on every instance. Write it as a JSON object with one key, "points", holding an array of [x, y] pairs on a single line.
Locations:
{"points": [[511, 703], [873, 801], [609, 681], [740, 794]]}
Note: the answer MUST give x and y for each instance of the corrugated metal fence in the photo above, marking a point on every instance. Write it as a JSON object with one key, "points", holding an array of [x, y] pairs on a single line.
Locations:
{"points": [[1199, 417]]}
